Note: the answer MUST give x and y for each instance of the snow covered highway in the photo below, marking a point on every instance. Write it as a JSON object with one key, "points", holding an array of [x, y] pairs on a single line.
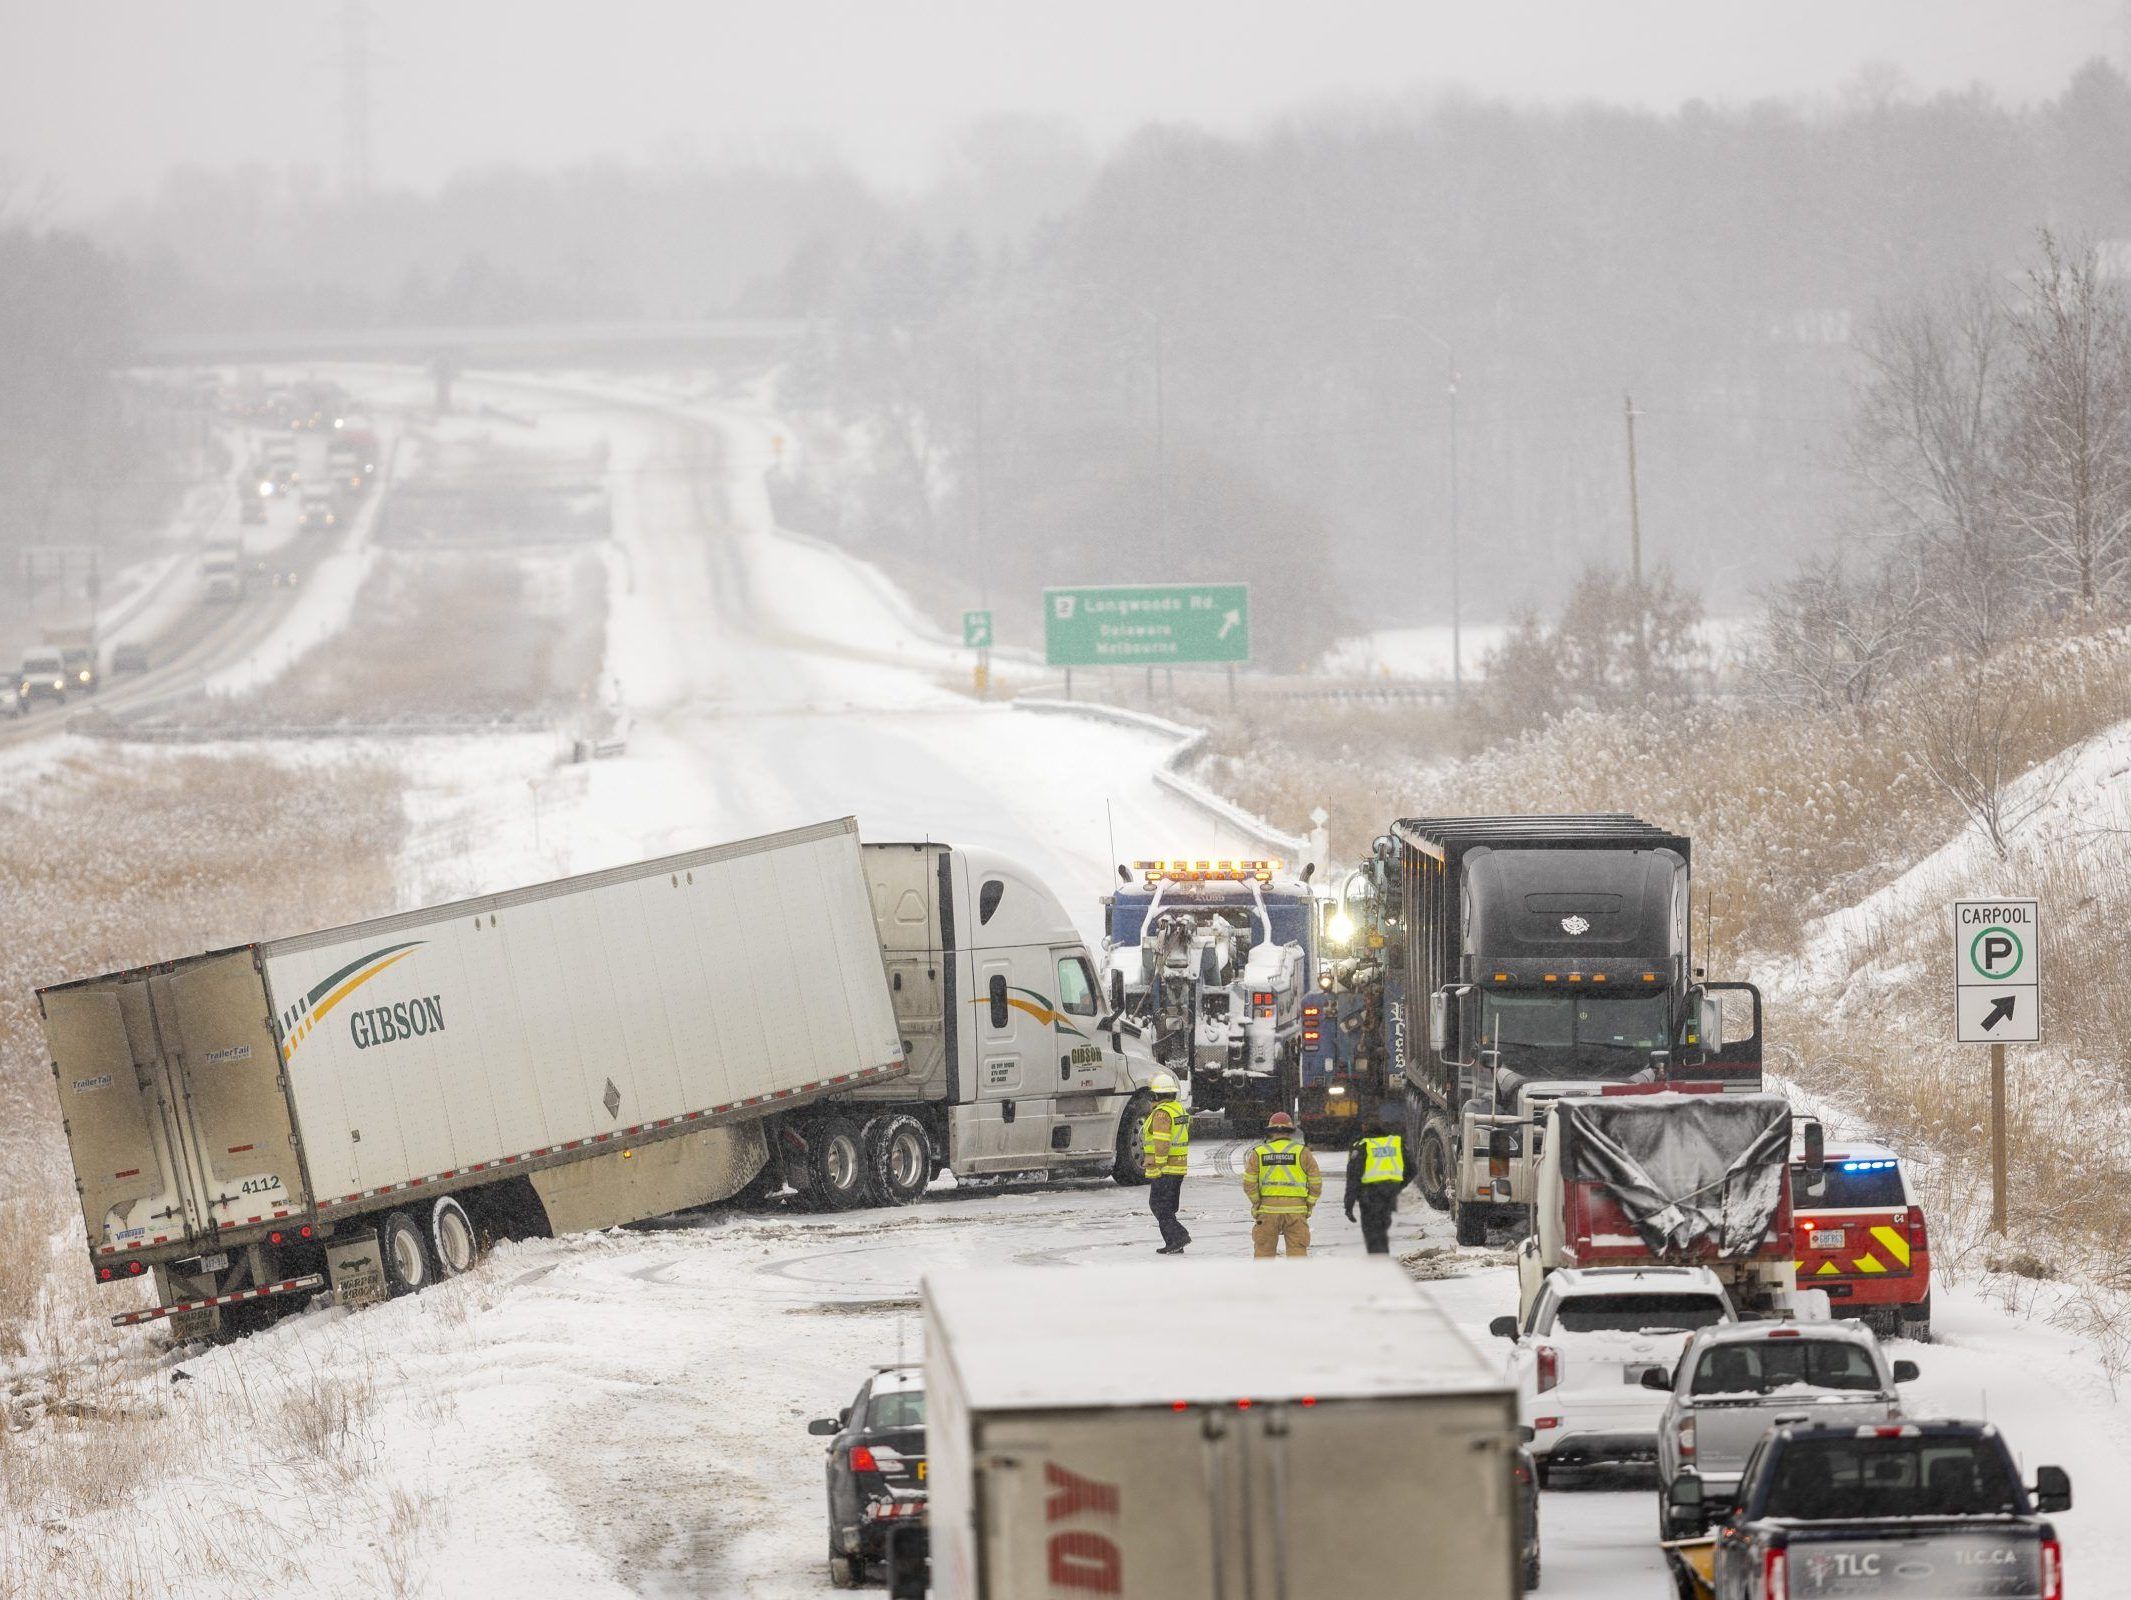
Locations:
{"points": [[623, 1413]]}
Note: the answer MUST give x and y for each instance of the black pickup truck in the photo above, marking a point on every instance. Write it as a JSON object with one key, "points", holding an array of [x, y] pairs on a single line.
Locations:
{"points": [[1829, 1512]]}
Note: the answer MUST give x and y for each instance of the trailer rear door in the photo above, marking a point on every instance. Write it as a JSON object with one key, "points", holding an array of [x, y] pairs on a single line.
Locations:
{"points": [[170, 1083], [220, 1036], [115, 1103]]}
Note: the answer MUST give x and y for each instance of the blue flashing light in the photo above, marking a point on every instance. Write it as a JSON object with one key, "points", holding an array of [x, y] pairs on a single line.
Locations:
{"points": [[1868, 1166]]}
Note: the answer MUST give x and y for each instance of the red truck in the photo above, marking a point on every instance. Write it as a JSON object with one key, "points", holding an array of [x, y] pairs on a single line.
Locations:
{"points": [[1677, 1177], [1861, 1238]]}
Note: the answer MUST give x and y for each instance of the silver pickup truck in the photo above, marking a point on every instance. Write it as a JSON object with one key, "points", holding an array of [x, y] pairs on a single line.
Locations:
{"points": [[1737, 1381]]}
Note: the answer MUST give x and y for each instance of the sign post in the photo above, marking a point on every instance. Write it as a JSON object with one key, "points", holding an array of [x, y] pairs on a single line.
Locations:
{"points": [[1997, 991], [1147, 625], [977, 636]]}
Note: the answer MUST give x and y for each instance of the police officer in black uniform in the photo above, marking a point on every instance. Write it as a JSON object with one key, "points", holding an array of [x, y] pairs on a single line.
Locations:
{"points": [[1378, 1166]]}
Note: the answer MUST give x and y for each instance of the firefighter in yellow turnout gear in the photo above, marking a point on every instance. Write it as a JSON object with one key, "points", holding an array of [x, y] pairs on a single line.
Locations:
{"points": [[1282, 1182], [1165, 1141]]}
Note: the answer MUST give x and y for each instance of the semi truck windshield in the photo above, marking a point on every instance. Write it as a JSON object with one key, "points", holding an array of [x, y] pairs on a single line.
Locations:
{"points": [[1560, 1035]]}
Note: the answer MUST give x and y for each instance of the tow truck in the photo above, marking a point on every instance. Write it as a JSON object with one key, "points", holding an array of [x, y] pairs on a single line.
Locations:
{"points": [[1220, 955]]}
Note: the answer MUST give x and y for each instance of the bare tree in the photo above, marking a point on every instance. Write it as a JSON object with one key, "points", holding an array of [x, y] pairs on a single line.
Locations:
{"points": [[1832, 640], [2068, 487], [1930, 444], [1969, 745]]}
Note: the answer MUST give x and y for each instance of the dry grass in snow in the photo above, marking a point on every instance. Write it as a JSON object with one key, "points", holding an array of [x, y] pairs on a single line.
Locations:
{"points": [[107, 865]]}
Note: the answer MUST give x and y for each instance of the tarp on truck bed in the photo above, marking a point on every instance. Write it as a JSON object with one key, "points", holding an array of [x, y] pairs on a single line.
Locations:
{"points": [[1688, 1169]]}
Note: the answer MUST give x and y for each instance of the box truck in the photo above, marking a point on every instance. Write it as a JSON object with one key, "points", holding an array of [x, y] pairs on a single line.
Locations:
{"points": [[1316, 1430], [363, 1107]]}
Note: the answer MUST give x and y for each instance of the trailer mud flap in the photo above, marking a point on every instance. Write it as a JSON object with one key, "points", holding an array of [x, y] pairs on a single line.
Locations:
{"points": [[356, 1269]]}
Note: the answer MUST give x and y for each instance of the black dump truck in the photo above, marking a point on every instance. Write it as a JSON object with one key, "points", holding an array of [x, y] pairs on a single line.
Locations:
{"points": [[1503, 962]]}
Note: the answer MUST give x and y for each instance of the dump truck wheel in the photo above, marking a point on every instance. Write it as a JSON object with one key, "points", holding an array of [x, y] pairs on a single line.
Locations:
{"points": [[1131, 1169], [836, 1163], [1432, 1164], [898, 1159], [1470, 1223], [408, 1266], [453, 1244]]}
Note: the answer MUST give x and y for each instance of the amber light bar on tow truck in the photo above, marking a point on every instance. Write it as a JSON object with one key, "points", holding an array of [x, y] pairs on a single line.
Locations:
{"points": [[1181, 871]]}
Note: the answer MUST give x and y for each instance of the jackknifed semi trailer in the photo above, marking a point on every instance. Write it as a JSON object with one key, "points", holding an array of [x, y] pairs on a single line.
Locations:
{"points": [[366, 1107], [362, 1107]]}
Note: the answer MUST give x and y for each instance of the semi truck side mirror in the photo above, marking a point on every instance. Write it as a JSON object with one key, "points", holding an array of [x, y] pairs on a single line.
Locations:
{"points": [[1117, 990], [1816, 1158], [2053, 1489], [1451, 1014], [1709, 1025]]}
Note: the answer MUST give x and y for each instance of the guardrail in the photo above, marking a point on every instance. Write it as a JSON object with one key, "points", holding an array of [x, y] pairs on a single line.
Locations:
{"points": [[1189, 742]]}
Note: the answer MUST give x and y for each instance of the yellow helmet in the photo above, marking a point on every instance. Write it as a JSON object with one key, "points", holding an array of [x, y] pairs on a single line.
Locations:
{"points": [[1162, 1083]]}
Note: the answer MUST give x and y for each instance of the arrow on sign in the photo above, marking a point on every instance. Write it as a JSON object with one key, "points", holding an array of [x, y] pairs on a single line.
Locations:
{"points": [[2001, 1010], [1230, 621]]}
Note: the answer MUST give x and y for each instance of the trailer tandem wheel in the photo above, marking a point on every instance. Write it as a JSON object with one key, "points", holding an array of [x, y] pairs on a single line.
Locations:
{"points": [[452, 1240], [405, 1253]]}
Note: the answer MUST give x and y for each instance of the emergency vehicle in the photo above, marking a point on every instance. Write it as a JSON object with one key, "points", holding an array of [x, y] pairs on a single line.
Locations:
{"points": [[1862, 1239]]}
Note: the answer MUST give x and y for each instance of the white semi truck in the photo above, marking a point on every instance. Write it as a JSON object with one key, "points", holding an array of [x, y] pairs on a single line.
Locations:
{"points": [[1325, 1431], [1017, 1066], [365, 1107]]}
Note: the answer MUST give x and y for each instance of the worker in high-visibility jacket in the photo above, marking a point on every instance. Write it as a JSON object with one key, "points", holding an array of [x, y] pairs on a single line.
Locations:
{"points": [[1165, 1143], [1378, 1166], [1282, 1182]]}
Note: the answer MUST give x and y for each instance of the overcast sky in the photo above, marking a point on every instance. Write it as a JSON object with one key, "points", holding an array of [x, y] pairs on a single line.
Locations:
{"points": [[97, 100]]}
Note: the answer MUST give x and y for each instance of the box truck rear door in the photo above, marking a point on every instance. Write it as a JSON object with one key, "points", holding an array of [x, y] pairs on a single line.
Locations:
{"points": [[1355, 1496], [1103, 1503], [221, 1032], [131, 1189]]}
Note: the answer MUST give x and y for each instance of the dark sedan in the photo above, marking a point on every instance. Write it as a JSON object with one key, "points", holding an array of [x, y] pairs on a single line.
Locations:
{"points": [[876, 1471]]}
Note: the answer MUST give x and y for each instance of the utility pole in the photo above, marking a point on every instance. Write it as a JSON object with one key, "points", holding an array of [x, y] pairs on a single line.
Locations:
{"points": [[1457, 631], [1635, 508], [1457, 645], [355, 95], [1161, 449]]}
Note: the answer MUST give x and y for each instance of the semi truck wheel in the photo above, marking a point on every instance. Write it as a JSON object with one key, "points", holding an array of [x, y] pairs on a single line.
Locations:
{"points": [[1432, 1164], [452, 1241], [1470, 1223], [836, 1163], [898, 1159], [1130, 1170], [408, 1268]]}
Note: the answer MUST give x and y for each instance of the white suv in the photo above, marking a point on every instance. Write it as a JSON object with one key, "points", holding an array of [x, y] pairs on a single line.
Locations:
{"points": [[1581, 1354]]}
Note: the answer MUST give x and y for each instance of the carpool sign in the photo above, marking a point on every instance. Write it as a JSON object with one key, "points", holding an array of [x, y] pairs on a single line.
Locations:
{"points": [[1997, 970], [1160, 625]]}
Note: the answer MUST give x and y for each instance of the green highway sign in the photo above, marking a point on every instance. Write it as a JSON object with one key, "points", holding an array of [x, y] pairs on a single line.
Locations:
{"points": [[1152, 625], [976, 630]]}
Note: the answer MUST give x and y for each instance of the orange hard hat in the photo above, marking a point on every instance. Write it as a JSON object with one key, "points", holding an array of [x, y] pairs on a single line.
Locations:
{"points": [[1280, 1119]]}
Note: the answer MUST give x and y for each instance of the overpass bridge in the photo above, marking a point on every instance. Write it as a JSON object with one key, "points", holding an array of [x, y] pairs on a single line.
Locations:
{"points": [[499, 345]]}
